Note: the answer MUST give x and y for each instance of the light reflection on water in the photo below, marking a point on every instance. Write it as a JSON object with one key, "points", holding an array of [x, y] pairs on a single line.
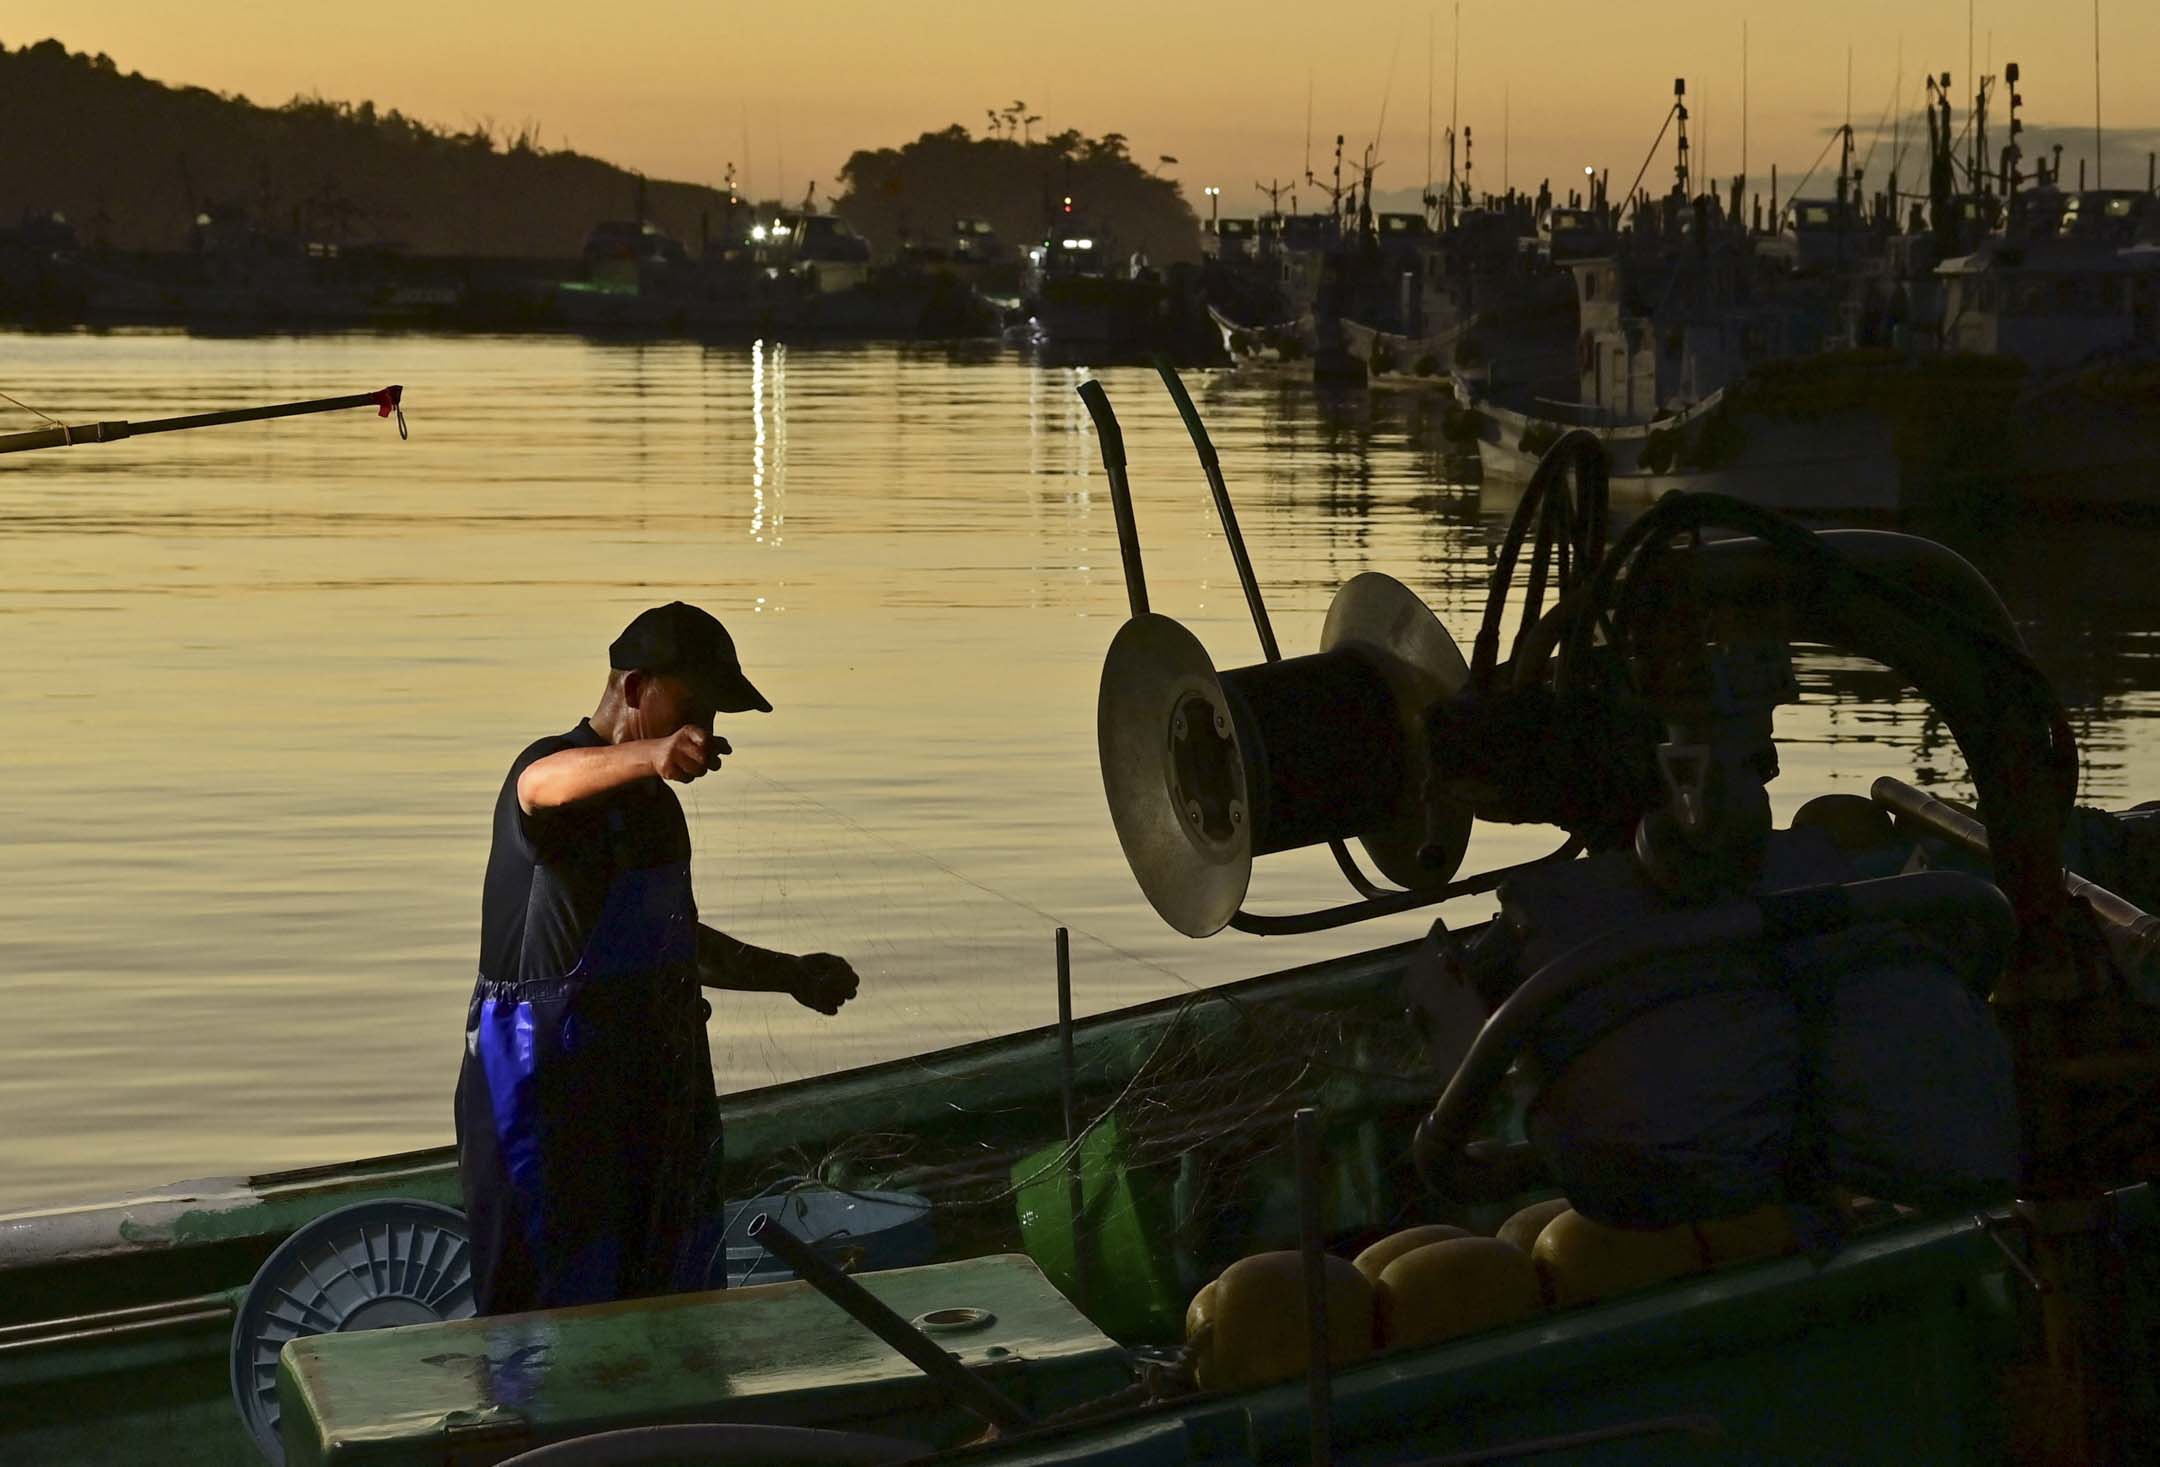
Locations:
{"points": [[267, 679]]}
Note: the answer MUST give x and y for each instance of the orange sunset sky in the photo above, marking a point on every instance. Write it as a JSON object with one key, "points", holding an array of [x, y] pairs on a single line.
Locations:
{"points": [[786, 91]]}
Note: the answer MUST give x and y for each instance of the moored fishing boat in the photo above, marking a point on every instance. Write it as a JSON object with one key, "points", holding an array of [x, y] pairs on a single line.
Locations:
{"points": [[1385, 351], [1281, 341], [1755, 1347]]}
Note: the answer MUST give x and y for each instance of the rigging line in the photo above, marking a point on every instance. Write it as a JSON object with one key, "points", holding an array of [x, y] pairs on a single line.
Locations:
{"points": [[1387, 91], [1875, 138], [1835, 134], [1900, 143], [1630, 194], [34, 412], [966, 880]]}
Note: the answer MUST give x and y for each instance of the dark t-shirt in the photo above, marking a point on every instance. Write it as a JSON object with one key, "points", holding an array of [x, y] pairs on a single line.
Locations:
{"points": [[548, 873]]}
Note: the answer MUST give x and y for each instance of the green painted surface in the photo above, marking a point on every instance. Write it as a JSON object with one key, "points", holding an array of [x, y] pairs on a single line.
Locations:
{"points": [[967, 1114], [1128, 1222], [1886, 1355], [778, 1353]]}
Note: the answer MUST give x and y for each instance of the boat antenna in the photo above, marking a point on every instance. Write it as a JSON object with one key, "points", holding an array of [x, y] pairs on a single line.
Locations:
{"points": [[1744, 101], [1680, 154], [1308, 125], [1897, 128], [749, 160], [2096, 94], [1386, 91], [1428, 106], [1454, 97], [1454, 102]]}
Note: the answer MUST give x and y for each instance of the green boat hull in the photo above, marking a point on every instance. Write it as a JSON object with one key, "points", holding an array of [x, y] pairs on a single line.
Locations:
{"points": [[114, 1341], [116, 1319]]}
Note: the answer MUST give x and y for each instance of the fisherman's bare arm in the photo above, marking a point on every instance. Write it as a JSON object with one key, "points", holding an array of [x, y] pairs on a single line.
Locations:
{"points": [[821, 981], [569, 775]]}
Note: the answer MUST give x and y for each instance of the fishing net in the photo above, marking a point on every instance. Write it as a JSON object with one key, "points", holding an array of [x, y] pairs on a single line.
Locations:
{"points": [[1183, 1112]]}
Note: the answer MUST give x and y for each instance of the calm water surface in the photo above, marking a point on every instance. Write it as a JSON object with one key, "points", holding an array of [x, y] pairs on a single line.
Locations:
{"points": [[266, 679]]}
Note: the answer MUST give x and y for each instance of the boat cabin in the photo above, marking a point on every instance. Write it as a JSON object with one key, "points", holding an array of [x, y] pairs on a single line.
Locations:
{"points": [[1654, 340], [1569, 234], [1814, 235], [976, 241], [1074, 250], [1230, 239], [2109, 216], [2052, 307]]}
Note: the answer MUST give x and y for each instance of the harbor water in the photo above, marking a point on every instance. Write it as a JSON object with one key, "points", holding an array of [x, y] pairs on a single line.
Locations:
{"points": [[265, 681]]}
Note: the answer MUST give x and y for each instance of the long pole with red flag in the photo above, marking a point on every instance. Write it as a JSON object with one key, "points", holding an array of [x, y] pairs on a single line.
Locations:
{"points": [[385, 401]]}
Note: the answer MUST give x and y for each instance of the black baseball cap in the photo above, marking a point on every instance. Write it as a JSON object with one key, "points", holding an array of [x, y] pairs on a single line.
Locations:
{"points": [[689, 643]]}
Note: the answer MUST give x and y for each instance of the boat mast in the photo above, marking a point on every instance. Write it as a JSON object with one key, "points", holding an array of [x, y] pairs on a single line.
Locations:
{"points": [[1680, 155], [2096, 94], [1897, 128], [1308, 125], [1428, 195], [1454, 110]]}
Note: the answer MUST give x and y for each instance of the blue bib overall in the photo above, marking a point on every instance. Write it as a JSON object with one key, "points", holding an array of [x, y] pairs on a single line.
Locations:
{"points": [[585, 1110]]}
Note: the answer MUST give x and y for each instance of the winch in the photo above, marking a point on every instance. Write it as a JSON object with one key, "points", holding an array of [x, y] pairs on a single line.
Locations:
{"points": [[1687, 1012]]}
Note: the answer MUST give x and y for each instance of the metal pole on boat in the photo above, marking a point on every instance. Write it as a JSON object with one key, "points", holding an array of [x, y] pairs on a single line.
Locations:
{"points": [[2137, 929], [385, 401], [1320, 1400], [873, 1314], [1113, 462], [1211, 465], [1075, 1193], [2097, 150]]}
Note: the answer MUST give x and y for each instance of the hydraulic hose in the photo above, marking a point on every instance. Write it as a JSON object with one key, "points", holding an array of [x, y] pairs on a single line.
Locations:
{"points": [[1975, 910]]}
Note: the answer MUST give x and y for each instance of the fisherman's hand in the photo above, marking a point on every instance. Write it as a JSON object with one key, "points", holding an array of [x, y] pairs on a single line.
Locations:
{"points": [[823, 982], [688, 753]]}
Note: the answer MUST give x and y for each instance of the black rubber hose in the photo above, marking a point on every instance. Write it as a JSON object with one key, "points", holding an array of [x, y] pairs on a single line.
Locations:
{"points": [[1978, 911], [1112, 439]]}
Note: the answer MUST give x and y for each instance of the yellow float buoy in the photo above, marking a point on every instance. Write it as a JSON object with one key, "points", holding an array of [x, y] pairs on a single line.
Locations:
{"points": [[1376, 1258], [1200, 1333], [1523, 1228], [1260, 1332], [1458, 1286], [1767, 1232], [1581, 1261]]}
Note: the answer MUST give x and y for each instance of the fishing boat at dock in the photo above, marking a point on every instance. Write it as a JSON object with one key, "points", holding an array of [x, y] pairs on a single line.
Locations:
{"points": [[1078, 1189]]}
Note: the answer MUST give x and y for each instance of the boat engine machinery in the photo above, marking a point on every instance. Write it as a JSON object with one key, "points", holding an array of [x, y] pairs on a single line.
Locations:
{"points": [[1682, 1012]]}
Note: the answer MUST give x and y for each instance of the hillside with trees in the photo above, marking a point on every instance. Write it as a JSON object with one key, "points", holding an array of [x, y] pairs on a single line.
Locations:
{"points": [[132, 162], [914, 193]]}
